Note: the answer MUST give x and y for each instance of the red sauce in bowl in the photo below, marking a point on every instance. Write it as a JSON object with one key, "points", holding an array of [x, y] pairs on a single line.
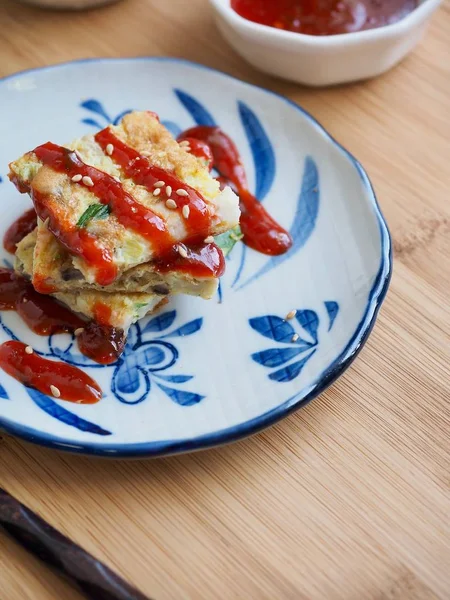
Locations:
{"points": [[324, 17]]}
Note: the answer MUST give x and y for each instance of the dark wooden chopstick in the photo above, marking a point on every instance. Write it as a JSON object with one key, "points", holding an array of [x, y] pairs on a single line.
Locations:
{"points": [[93, 578]]}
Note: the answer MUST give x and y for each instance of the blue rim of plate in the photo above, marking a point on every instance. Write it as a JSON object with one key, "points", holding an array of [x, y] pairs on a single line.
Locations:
{"points": [[304, 396]]}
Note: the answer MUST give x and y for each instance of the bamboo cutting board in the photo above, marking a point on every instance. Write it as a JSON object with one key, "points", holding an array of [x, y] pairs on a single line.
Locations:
{"points": [[347, 499]]}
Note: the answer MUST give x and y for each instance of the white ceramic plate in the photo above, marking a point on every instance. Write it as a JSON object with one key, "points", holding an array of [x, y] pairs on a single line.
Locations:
{"points": [[207, 372]]}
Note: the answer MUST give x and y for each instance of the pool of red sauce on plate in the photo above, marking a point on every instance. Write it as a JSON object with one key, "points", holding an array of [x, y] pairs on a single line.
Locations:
{"points": [[46, 316], [43, 314], [35, 371], [324, 17], [15, 233], [97, 339]]}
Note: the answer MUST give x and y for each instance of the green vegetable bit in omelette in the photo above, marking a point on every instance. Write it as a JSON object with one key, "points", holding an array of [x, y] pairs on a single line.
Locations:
{"points": [[94, 211], [226, 241]]}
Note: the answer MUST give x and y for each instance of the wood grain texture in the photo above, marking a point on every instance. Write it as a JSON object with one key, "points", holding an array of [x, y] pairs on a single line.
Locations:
{"points": [[349, 498]]}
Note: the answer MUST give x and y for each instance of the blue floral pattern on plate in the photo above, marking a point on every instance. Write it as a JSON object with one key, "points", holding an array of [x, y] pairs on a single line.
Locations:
{"points": [[146, 358], [294, 342]]}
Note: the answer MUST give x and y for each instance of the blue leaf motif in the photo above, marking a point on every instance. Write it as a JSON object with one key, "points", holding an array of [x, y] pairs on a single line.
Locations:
{"points": [[161, 322], [58, 412], [174, 378], [197, 111], [181, 397], [188, 329], [332, 310], [121, 115], [154, 356], [91, 122], [274, 357], [174, 129], [291, 371], [273, 327], [262, 150], [304, 220], [309, 320], [127, 379], [96, 107], [3, 393]]}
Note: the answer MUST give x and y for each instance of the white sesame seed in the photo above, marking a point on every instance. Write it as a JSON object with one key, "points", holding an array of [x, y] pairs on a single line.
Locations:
{"points": [[25, 300], [133, 209], [181, 192], [171, 203], [55, 391], [78, 331], [291, 314], [209, 239], [185, 144], [29, 350], [182, 251], [159, 184], [186, 210], [109, 149], [168, 191], [146, 153], [88, 181], [157, 192], [295, 337], [76, 178]]}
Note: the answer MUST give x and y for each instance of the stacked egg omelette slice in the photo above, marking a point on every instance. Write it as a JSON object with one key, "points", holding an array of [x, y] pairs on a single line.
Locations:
{"points": [[125, 218]]}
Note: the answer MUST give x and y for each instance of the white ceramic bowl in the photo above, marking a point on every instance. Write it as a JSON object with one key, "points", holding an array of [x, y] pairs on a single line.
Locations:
{"points": [[326, 60]]}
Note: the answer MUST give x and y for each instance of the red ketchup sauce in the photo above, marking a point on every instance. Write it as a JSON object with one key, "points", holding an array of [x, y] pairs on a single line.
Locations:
{"points": [[127, 210], [202, 260], [42, 314], [201, 150], [261, 231], [32, 370], [99, 340], [19, 229], [45, 316], [324, 17], [143, 172], [102, 343]]}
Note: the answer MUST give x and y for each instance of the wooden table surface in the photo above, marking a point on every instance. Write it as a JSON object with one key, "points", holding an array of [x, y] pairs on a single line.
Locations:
{"points": [[347, 499]]}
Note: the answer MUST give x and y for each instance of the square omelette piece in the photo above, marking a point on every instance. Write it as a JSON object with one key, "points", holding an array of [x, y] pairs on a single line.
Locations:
{"points": [[121, 310], [53, 269], [123, 197]]}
